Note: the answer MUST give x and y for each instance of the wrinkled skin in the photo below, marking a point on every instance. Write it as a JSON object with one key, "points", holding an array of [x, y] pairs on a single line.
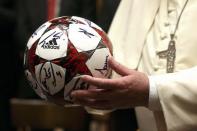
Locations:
{"points": [[129, 90]]}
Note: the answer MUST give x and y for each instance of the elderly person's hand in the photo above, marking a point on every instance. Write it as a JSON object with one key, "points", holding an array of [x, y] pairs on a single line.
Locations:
{"points": [[130, 90]]}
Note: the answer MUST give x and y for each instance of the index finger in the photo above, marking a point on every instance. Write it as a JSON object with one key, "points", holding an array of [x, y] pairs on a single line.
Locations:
{"points": [[102, 82]]}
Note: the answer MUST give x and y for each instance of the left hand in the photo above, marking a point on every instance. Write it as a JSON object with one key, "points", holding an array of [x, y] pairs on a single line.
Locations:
{"points": [[130, 90]]}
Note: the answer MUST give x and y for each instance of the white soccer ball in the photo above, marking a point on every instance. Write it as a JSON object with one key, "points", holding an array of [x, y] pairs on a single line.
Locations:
{"points": [[60, 51]]}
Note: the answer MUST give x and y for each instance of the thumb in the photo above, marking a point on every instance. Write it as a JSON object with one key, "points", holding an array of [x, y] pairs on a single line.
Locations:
{"points": [[117, 67]]}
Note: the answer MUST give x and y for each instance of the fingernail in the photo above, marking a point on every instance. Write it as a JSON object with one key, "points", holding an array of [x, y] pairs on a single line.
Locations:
{"points": [[85, 77], [73, 94]]}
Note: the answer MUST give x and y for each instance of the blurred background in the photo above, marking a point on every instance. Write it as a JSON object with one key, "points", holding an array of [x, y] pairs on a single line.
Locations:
{"points": [[20, 108]]}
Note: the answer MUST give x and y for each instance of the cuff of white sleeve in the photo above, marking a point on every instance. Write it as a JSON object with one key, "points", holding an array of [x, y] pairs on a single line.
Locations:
{"points": [[154, 102]]}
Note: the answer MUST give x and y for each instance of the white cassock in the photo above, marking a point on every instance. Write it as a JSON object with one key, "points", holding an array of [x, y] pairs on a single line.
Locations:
{"points": [[140, 29]]}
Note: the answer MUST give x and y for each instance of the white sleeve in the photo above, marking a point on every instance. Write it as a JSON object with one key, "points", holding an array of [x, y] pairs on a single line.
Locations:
{"points": [[177, 94], [154, 103]]}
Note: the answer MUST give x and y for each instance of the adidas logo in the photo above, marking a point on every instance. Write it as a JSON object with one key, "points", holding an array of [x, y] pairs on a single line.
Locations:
{"points": [[52, 44]]}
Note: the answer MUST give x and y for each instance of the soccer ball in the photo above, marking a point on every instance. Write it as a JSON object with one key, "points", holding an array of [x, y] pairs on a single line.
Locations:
{"points": [[60, 51]]}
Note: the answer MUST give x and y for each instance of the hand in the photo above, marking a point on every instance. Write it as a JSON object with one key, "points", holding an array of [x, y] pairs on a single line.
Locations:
{"points": [[130, 90]]}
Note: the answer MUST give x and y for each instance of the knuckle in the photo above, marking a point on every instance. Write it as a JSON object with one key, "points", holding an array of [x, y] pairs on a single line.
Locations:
{"points": [[124, 83]]}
